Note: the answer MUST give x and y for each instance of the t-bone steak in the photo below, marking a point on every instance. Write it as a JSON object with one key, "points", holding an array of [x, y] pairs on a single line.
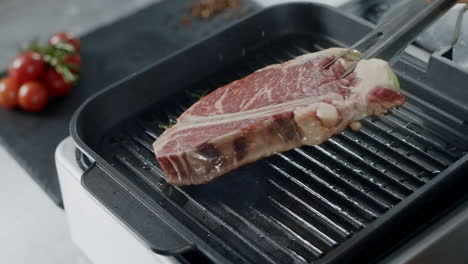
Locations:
{"points": [[274, 109]]}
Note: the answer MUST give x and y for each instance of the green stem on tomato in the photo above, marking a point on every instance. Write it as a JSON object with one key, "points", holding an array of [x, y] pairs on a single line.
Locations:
{"points": [[54, 55]]}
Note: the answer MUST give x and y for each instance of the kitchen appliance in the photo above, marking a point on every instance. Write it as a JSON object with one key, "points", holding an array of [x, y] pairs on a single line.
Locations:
{"points": [[358, 204], [392, 36], [447, 33]]}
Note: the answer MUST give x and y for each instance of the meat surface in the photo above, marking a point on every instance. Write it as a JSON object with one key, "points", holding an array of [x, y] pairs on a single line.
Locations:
{"points": [[274, 109]]}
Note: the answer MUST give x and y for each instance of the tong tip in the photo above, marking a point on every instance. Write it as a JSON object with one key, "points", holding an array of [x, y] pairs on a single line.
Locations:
{"points": [[342, 55], [328, 65], [349, 71]]}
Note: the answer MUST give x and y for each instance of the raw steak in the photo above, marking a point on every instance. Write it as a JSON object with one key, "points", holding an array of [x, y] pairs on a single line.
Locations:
{"points": [[274, 109]]}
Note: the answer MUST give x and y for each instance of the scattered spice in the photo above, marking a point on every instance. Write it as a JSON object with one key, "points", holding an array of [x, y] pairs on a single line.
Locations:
{"points": [[206, 9], [186, 20]]}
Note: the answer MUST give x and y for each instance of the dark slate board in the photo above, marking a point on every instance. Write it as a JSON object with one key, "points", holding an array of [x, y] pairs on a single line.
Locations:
{"points": [[109, 54]]}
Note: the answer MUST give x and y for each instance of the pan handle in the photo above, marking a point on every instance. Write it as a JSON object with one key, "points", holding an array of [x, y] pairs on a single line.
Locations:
{"points": [[146, 223]]}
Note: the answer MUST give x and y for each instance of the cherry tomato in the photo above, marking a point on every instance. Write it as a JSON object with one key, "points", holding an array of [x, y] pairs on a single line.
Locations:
{"points": [[32, 96], [75, 61], [55, 84], [8, 92], [26, 67], [65, 38]]}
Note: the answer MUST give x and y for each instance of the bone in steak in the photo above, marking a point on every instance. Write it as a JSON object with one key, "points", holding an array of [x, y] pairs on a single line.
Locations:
{"points": [[274, 109]]}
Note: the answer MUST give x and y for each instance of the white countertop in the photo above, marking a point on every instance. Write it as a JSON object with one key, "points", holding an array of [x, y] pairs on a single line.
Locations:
{"points": [[33, 228]]}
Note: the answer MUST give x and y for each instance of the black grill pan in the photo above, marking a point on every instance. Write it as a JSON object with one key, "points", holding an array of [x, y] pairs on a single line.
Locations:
{"points": [[349, 199]]}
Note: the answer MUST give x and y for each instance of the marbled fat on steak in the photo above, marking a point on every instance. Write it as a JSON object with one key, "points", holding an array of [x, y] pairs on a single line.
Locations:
{"points": [[274, 109]]}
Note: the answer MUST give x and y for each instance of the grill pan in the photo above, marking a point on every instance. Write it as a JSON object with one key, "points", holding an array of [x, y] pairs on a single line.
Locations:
{"points": [[349, 199]]}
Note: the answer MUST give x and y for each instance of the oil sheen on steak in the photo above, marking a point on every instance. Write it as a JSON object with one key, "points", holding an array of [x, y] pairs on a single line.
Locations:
{"points": [[274, 109]]}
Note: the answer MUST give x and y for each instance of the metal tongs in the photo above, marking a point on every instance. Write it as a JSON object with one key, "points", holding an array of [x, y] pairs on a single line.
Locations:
{"points": [[392, 36]]}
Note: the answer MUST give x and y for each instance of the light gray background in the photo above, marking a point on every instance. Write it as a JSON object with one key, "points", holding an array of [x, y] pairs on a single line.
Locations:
{"points": [[24, 20]]}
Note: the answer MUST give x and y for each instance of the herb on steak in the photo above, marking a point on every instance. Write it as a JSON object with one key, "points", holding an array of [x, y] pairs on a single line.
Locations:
{"points": [[171, 123], [199, 94]]}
